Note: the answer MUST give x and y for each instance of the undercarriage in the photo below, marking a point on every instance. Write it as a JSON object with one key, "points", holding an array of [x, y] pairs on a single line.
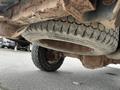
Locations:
{"points": [[86, 29]]}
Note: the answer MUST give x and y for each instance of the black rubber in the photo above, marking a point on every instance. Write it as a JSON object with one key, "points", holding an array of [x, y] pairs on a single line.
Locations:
{"points": [[40, 60], [94, 35]]}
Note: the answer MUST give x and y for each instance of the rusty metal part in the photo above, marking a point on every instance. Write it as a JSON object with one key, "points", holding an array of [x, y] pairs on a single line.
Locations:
{"points": [[53, 56], [26, 12], [103, 14], [113, 61], [108, 2], [32, 11], [22, 12], [7, 29], [77, 8], [71, 55], [64, 46], [94, 62], [19, 31]]}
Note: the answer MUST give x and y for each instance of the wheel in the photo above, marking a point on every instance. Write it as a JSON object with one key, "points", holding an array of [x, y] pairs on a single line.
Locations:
{"points": [[68, 35], [46, 59]]}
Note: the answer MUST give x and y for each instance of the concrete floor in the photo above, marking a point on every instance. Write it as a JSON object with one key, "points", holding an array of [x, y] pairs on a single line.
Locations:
{"points": [[17, 72]]}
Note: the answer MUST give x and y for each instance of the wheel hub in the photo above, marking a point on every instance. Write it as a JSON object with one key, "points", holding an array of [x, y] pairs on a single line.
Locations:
{"points": [[53, 56]]}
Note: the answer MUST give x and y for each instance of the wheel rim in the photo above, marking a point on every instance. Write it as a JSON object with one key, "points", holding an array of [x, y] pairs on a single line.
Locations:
{"points": [[53, 57]]}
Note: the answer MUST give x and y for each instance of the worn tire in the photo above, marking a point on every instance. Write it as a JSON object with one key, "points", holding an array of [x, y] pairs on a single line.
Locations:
{"points": [[40, 60], [93, 35]]}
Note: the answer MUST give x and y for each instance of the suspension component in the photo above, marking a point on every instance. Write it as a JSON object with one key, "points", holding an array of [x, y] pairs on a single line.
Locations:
{"points": [[94, 62], [108, 2]]}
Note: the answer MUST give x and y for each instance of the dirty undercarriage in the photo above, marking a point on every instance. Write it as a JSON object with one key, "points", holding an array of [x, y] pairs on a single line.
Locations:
{"points": [[99, 18], [17, 13]]}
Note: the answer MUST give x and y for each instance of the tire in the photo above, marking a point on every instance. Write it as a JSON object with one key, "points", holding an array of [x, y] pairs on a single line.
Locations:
{"points": [[95, 36], [40, 59]]}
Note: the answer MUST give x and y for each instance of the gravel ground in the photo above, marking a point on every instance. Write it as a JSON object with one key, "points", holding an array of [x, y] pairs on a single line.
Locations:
{"points": [[17, 72]]}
